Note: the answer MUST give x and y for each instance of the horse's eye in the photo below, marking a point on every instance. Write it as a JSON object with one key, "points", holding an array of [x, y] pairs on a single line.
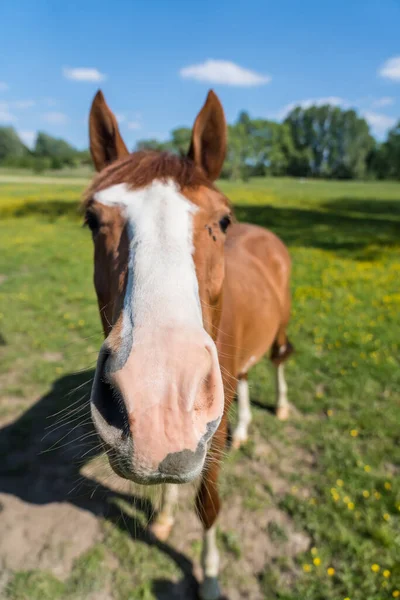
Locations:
{"points": [[224, 223], [92, 221]]}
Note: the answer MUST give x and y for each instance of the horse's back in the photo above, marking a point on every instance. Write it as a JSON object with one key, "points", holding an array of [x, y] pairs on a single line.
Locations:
{"points": [[256, 293]]}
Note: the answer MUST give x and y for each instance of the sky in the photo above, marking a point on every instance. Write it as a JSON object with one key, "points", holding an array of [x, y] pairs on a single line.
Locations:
{"points": [[155, 60]]}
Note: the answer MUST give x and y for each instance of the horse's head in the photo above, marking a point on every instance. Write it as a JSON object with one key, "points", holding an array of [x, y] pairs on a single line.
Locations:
{"points": [[158, 226]]}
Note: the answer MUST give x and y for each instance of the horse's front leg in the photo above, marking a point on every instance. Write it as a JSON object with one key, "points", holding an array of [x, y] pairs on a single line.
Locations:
{"points": [[208, 507], [163, 523]]}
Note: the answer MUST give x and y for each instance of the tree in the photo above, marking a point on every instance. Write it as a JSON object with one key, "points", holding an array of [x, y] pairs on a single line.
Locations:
{"points": [[10, 144], [180, 142], [151, 144], [257, 147], [328, 142], [49, 147], [392, 152]]}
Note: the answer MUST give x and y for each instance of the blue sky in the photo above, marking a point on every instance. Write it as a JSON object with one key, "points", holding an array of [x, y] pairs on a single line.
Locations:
{"points": [[156, 59]]}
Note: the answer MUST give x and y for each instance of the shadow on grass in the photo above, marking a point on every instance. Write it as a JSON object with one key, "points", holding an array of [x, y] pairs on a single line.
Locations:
{"points": [[41, 464], [347, 226], [48, 209]]}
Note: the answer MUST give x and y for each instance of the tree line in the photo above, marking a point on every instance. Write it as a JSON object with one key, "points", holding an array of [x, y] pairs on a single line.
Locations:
{"points": [[319, 141], [48, 152]]}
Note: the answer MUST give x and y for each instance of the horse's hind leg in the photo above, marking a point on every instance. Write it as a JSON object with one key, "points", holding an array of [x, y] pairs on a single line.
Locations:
{"points": [[282, 402], [240, 435], [162, 525], [281, 350]]}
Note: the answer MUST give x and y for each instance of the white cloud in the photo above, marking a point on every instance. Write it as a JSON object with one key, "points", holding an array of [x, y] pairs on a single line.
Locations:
{"points": [[83, 74], [332, 100], [224, 72], [5, 115], [120, 118], [3, 86], [56, 118], [391, 69], [134, 125], [28, 137], [24, 104], [385, 101], [50, 102], [379, 123]]}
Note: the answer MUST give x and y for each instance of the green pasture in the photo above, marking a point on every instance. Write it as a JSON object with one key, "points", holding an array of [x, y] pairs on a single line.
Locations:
{"points": [[337, 458]]}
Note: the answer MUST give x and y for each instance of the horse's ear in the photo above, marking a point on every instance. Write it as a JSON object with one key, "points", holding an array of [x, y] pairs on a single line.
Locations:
{"points": [[208, 145], [106, 143]]}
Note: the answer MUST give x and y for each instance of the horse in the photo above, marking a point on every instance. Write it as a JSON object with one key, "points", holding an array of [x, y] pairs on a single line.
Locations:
{"points": [[189, 301]]}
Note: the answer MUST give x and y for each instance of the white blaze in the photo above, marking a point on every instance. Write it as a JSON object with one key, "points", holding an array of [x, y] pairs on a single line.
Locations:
{"points": [[162, 287]]}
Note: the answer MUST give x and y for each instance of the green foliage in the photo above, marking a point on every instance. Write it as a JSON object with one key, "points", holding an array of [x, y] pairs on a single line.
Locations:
{"points": [[319, 141], [49, 147], [49, 153], [10, 144], [328, 142], [392, 152]]}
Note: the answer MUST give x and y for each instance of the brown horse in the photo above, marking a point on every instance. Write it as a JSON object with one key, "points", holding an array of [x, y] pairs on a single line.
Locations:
{"points": [[189, 302]]}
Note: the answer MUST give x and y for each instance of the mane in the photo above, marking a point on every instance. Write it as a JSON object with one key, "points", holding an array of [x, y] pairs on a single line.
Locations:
{"points": [[139, 169]]}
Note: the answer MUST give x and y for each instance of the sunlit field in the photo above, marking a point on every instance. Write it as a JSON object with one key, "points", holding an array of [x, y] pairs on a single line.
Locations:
{"points": [[311, 507]]}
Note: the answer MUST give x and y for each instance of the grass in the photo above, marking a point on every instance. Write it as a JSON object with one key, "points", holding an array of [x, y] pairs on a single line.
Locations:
{"points": [[344, 380]]}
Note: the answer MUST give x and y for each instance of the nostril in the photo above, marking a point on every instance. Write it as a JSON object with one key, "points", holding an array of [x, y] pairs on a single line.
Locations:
{"points": [[107, 400]]}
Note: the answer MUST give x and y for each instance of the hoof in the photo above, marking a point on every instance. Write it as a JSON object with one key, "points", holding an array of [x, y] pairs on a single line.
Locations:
{"points": [[282, 413], [239, 438], [237, 442], [161, 529], [209, 589]]}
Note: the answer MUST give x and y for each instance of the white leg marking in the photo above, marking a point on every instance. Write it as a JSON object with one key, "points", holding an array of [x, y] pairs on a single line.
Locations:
{"points": [[210, 554], [209, 590], [165, 519], [282, 403], [168, 502], [240, 434]]}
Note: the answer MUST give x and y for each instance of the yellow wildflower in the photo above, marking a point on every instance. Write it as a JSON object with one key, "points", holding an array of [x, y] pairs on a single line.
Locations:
{"points": [[347, 598], [367, 468], [329, 412], [330, 571], [366, 494], [339, 482], [306, 568], [386, 573], [386, 516], [375, 568], [354, 433], [377, 495], [396, 593], [388, 485], [346, 500], [317, 561], [314, 551], [350, 506]]}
